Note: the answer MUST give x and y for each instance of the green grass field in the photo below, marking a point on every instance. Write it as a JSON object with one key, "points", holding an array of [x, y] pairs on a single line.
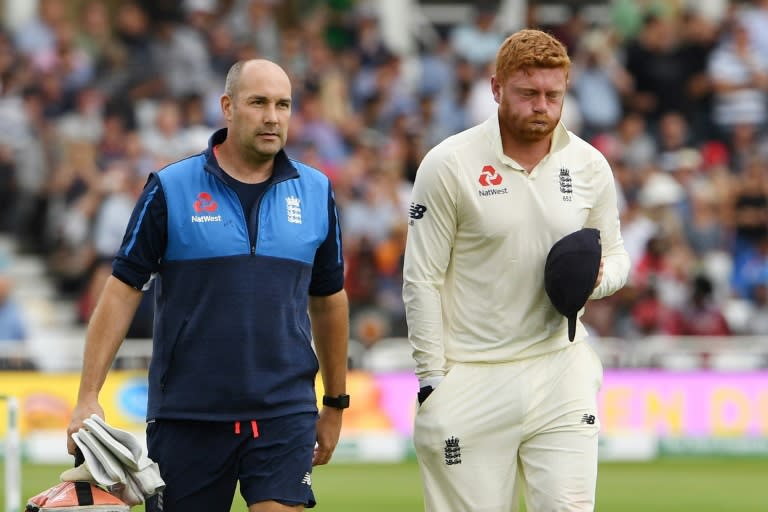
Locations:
{"points": [[691, 484]]}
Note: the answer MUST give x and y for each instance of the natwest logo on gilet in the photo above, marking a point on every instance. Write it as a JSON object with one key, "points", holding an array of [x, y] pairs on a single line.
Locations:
{"points": [[204, 205], [490, 180]]}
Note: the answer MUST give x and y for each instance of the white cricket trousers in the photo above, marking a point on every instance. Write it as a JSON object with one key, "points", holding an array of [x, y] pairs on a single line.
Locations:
{"points": [[535, 419]]}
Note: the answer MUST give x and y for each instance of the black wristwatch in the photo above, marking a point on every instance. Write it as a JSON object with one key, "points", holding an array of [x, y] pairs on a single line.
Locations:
{"points": [[337, 402]]}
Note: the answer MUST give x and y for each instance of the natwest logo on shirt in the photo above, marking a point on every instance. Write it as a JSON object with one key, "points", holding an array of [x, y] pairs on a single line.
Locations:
{"points": [[490, 180], [204, 204], [489, 176]]}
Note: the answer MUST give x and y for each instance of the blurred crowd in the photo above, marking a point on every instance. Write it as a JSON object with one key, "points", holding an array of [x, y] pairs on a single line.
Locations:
{"points": [[95, 95]]}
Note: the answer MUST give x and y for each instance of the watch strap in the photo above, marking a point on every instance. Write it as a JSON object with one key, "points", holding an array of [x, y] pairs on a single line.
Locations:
{"points": [[337, 402]]}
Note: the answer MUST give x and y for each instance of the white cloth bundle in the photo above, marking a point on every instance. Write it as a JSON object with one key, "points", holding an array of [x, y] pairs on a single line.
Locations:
{"points": [[115, 460]]}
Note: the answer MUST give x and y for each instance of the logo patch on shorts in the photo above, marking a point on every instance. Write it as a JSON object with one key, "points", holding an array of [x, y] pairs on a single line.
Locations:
{"points": [[452, 451], [307, 480]]}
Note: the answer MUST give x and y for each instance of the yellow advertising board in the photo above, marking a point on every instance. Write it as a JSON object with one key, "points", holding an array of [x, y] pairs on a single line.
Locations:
{"points": [[46, 400]]}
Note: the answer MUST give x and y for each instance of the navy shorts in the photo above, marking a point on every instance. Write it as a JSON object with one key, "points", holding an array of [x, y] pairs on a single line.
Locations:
{"points": [[201, 462]]}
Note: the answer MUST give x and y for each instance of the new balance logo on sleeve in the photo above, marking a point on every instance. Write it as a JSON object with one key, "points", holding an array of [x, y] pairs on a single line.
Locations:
{"points": [[589, 419], [416, 212]]}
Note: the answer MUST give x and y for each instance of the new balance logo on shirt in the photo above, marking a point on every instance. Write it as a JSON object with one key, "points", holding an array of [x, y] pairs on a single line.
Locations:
{"points": [[416, 212], [589, 419]]}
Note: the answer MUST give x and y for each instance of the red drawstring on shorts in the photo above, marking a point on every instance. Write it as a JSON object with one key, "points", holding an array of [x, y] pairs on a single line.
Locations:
{"points": [[254, 428]]}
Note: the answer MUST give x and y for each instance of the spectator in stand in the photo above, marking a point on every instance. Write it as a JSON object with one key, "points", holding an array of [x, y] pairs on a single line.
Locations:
{"points": [[635, 144], [38, 35], [748, 210], [627, 16], [704, 228], [637, 226], [222, 48], [477, 39], [648, 312], [480, 105], [195, 129], [254, 24], [378, 210], [95, 35], [199, 14], [370, 44], [664, 266], [8, 189], [137, 156], [656, 62], [739, 74], [659, 283], [316, 129], [599, 82], [360, 279], [307, 152], [757, 324], [33, 143], [684, 165], [388, 257], [293, 53], [183, 58], [699, 37], [745, 142], [131, 72], [86, 121], [673, 134], [700, 316], [56, 101], [754, 17], [14, 327], [165, 139], [111, 145], [120, 187], [75, 190], [752, 271]]}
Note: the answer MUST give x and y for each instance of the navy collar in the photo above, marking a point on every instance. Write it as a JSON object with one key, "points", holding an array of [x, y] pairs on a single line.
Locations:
{"points": [[283, 169]]}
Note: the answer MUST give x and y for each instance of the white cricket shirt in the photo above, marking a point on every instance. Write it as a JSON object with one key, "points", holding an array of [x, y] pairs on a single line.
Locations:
{"points": [[479, 234]]}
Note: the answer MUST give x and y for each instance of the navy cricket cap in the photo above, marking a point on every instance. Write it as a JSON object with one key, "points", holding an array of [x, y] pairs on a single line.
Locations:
{"points": [[571, 271]]}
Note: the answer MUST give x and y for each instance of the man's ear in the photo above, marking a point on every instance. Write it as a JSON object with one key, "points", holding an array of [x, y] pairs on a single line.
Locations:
{"points": [[496, 89], [226, 106]]}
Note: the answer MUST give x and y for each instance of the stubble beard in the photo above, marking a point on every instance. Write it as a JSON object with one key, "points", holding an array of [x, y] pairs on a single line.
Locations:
{"points": [[258, 151]]}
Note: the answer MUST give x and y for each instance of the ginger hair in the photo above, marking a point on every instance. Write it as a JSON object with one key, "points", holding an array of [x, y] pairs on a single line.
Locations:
{"points": [[528, 49]]}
